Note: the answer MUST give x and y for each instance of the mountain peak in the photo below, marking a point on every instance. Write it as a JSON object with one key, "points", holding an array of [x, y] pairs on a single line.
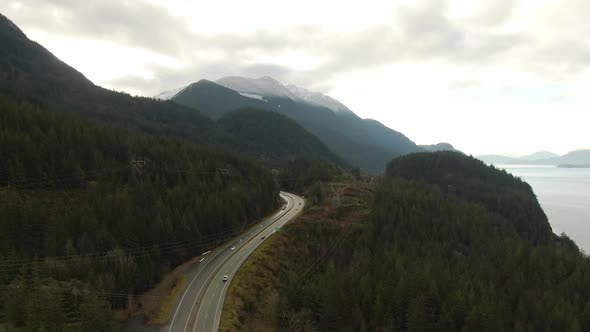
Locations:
{"points": [[265, 86], [319, 99], [169, 94], [268, 78]]}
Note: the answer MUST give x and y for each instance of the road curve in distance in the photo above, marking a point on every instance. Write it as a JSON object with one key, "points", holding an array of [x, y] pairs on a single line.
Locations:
{"points": [[199, 307]]}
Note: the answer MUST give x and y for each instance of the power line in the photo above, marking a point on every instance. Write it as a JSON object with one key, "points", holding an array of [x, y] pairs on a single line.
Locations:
{"points": [[112, 294], [15, 265], [309, 268], [317, 263], [50, 180], [108, 257], [337, 189], [27, 179]]}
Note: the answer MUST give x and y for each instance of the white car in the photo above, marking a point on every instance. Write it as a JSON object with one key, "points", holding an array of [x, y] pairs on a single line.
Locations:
{"points": [[232, 248], [225, 277]]}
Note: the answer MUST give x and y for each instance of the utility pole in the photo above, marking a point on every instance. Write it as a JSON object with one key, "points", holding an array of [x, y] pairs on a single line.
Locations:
{"points": [[138, 164], [223, 171], [337, 189]]}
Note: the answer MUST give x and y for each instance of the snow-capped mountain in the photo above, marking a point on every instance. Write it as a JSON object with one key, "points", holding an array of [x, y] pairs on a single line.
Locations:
{"points": [[264, 86], [365, 143], [166, 95], [268, 87], [252, 95], [318, 99]]}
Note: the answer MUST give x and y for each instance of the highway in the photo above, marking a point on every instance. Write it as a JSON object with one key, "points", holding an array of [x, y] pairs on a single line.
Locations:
{"points": [[199, 305]]}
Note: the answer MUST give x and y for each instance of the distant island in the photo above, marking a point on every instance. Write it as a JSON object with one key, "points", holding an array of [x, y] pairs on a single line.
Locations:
{"points": [[577, 157], [573, 166]]}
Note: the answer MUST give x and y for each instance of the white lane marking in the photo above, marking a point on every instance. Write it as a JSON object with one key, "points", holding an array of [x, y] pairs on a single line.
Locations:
{"points": [[271, 222], [221, 297], [205, 253], [275, 217], [216, 321], [202, 259], [214, 291], [199, 292], [186, 291]]}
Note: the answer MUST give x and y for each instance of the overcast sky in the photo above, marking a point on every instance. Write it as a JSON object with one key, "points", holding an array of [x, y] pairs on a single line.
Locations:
{"points": [[495, 76]]}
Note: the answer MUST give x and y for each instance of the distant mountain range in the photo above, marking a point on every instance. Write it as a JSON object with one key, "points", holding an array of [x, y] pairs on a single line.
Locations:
{"points": [[540, 155], [323, 128], [30, 73], [578, 157], [365, 143]]}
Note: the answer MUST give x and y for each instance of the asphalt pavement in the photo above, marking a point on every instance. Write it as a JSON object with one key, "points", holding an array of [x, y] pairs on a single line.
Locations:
{"points": [[198, 306]]}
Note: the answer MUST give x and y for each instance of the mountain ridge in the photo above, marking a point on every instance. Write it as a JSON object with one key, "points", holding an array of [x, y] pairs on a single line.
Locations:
{"points": [[540, 155], [264, 86], [365, 143], [30, 73], [575, 157], [438, 147], [318, 99]]}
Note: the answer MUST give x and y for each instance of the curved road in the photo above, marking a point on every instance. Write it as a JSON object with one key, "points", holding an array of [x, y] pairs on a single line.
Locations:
{"points": [[199, 306]]}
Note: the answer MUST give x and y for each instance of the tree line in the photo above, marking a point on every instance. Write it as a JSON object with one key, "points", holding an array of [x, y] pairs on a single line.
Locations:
{"points": [[450, 245], [88, 210]]}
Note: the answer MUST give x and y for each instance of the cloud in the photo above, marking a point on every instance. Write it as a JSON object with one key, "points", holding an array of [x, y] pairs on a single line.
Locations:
{"points": [[400, 61], [446, 31], [134, 23]]}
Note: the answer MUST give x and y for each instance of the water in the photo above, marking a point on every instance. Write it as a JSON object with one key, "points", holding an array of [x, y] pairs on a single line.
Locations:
{"points": [[564, 195]]}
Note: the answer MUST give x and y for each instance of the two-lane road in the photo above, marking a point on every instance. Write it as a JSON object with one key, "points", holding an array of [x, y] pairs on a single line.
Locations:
{"points": [[199, 306]]}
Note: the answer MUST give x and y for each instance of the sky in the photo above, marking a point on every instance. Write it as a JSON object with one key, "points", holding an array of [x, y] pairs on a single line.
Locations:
{"points": [[490, 77]]}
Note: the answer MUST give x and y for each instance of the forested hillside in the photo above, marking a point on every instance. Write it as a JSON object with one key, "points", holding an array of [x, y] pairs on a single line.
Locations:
{"points": [[273, 137], [91, 213], [450, 245], [29, 73], [300, 175], [470, 179], [362, 143], [215, 100]]}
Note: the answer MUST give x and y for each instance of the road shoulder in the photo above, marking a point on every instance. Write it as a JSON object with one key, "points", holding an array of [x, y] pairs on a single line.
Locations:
{"points": [[253, 300]]}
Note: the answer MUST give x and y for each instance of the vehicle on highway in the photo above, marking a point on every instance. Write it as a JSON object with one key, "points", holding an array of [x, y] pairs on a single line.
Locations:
{"points": [[284, 207], [263, 237], [232, 248], [225, 277]]}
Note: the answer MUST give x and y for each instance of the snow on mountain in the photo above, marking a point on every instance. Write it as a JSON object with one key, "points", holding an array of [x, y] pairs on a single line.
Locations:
{"points": [[267, 87], [252, 95], [263, 86], [166, 95], [319, 99]]}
